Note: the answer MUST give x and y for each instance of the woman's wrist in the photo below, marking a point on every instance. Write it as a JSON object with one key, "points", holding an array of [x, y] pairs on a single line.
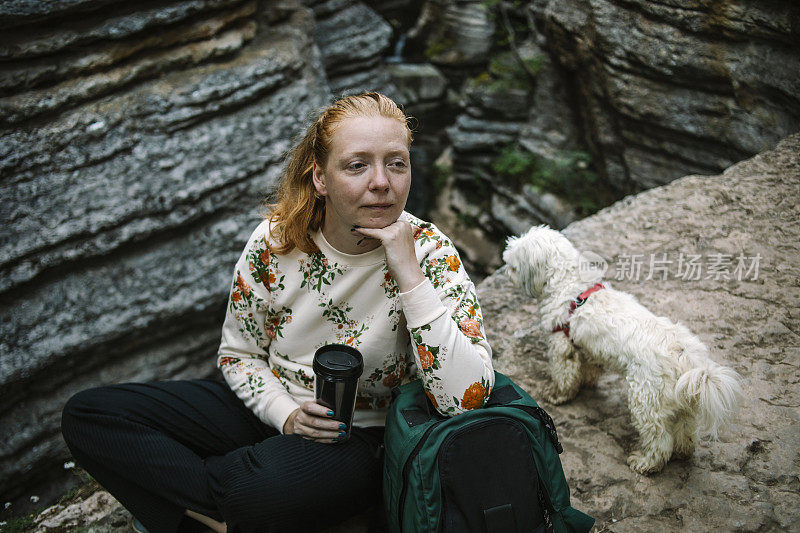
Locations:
{"points": [[409, 278]]}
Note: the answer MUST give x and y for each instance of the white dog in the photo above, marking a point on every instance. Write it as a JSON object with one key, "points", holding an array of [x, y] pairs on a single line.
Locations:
{"points": [[674, 385]]}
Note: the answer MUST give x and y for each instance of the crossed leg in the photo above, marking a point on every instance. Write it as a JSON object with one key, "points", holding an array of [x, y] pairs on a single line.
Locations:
{"points": [[173, 450]]}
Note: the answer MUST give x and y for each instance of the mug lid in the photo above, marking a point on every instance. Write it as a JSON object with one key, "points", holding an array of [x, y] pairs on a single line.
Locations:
{"points": [[338, 360]]}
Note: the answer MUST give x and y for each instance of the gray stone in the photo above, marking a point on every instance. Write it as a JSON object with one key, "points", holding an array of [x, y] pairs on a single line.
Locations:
{"points": [[24, 106], [93, 509], [123, 217], [352, 39], [668, 86], [90, 57], [460, 33], [417, 83], [19, 43]]}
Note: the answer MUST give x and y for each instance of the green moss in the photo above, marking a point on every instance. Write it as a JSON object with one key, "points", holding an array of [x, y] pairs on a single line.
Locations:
{"points": [[18, 524], [505, 73], [570, 175], [478, 191], [467, 220], [441, 175], [439, 46]]}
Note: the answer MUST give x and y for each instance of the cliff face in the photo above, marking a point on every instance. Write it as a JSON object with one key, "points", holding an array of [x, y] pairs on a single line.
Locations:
{"points": [[138, 144], [648, 91], [749, 480], [667, 87]]}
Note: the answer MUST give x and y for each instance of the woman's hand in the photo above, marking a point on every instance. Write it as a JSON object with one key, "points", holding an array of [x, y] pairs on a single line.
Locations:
{"points": [[312, 422], [398, 243]]}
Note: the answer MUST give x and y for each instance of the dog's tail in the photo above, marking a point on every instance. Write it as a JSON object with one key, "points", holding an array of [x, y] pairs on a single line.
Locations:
{"points": [[714, 391]]}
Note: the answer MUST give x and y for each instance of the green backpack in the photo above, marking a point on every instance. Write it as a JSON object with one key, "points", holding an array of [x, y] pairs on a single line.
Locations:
{"points": [[494, 469]]}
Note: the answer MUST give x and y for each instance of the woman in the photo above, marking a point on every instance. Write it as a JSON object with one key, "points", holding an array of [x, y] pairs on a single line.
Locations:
{"points": [[337, 260]]}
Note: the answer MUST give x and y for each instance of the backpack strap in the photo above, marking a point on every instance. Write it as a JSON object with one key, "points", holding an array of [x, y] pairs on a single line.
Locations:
{"points": [[503, 395], [420, 411]]}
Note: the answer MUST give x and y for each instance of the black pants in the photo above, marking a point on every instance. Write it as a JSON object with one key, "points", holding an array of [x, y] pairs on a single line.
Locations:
{"points": [[161, 448]]}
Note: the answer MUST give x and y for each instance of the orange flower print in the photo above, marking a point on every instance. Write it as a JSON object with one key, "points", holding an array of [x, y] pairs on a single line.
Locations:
{"points": [[236, 297], [228, 361], [471, 310], [432, 398], [453, 263], [387, 277], [362, 404], [417, 233], [438, 244], [391, 380], [275, 320], [473, 396], [350, 341], [251, 266], [425, 356], [289, 319], [429, 233], [244, 287], [270, 332], [276, 373], [264, 257], [471, 328]]}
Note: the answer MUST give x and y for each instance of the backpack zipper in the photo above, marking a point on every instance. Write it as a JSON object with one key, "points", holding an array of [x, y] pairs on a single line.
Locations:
{"points": [[542, 416], [407, 468]]}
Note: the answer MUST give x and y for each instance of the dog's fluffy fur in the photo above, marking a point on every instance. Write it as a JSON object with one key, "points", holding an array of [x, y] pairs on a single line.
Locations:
{"points": [[675, 388]]}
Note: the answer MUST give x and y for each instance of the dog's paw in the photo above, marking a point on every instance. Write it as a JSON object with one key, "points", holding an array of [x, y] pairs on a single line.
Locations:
{"points": [[554, 396], [557, 399], [644, 464]]}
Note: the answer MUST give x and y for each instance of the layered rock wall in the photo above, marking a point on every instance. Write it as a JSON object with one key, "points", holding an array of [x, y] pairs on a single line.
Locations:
{"points": [[648, 90], [138, 143]]}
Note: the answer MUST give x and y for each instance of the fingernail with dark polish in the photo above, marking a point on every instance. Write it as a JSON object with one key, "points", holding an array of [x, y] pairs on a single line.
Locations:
{"points": [[342, 426], [341, 434], [360, 241], [330, 413]]}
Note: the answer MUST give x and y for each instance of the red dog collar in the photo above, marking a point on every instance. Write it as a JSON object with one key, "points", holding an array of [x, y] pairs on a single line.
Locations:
{"points": [[577, 302]]}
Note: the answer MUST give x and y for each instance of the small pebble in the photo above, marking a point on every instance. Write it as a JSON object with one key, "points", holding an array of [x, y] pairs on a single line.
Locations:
{"points": [[34, 499], [7, 505], [69, 464]]}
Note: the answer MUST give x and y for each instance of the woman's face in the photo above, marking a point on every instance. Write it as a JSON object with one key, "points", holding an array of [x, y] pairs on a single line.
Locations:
{"points": [[367, 176]]}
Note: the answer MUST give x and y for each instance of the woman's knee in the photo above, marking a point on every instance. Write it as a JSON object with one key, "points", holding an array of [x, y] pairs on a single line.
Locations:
{"points": [[284, 477], [80, 410], [75, 406]]}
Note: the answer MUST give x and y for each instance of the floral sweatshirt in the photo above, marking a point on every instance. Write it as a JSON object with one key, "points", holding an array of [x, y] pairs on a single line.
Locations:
{"points": [[282, 308]]}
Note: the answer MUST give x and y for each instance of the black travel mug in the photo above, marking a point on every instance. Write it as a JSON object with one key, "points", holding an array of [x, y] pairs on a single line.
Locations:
{"points": [[337, 368]]}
